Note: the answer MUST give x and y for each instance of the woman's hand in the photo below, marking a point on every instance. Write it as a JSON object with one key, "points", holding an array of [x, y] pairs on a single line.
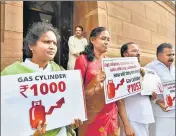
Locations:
{"points": [[96, 84], [129, 131], [100, 77], [76, 123], [41, 129]]}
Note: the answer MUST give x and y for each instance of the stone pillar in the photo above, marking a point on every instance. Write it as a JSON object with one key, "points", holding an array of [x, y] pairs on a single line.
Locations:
{"points": [[86, 15], [11, 32]]}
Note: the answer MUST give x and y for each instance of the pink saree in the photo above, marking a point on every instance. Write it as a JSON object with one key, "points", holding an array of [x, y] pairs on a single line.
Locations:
{"points": [[102, 118]]}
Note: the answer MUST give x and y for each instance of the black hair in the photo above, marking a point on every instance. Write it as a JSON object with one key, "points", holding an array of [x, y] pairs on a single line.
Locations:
{"points": [[89, 49], [34, 33], [161, 47], [79, 27], [124, 48]]}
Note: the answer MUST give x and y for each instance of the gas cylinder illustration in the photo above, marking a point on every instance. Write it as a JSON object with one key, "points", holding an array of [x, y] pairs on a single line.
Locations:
{"points": [[37, 112], [111, 88], [169, 100]]}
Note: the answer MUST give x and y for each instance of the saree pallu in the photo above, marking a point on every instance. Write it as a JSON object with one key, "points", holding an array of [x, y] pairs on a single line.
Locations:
{"points": [[102, 119], [105, 123]]}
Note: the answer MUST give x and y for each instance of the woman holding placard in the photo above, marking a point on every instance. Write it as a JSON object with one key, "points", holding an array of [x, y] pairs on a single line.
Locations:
{"points": [[42, 41], [102, 119]]}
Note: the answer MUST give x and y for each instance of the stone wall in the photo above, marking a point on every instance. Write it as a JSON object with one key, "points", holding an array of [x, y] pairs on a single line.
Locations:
{"points": [[11, 32], [147, 23]]}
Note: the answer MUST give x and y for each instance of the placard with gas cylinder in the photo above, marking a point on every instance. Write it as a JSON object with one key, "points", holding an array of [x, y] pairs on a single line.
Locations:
{"points": [[123, 78], [169, 94], [51, 96]]}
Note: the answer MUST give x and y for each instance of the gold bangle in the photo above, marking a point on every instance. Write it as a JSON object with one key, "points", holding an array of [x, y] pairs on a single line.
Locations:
{"points": [[94, 89]]}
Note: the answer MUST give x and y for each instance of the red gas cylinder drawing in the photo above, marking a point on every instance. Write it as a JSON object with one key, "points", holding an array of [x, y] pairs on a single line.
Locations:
{"points": [[169, 100], [111, 88], [37, 112]]}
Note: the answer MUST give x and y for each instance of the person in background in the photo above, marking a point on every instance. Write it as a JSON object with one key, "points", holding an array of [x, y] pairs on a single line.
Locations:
{"points": [[76, 45], [135, 111], [165, 69], [42, 40], [102, 118]]}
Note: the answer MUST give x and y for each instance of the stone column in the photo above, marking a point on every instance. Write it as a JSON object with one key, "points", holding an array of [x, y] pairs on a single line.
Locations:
{"points": [[11, 32]]}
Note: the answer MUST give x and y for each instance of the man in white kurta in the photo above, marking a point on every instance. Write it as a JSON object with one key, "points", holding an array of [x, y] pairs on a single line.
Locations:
{"points": [[163, 66], [76, 45], [135, 111]]}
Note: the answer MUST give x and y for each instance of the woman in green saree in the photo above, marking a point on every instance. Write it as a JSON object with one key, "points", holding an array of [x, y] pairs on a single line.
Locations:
{"points": [[42, 39]]}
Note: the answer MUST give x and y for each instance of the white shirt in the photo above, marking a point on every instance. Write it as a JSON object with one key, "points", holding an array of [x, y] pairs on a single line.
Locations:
{"points": [[28, 63], [165, 75], [75, 46], [139, 109]]}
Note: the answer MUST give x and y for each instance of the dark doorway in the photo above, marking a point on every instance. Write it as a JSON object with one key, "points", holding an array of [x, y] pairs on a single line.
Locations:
{"points": [[58, 13]]}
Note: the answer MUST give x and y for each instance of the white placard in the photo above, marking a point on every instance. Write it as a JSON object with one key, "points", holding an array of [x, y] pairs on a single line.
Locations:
{"points": [[56, 97], [151, 83], [169, 94], [122, 78]]}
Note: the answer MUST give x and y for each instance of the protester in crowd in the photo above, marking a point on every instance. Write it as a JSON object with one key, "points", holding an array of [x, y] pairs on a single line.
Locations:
{"points": [[135, 111], [165, 69], [102, 118], [76, 45], [42, 39]]}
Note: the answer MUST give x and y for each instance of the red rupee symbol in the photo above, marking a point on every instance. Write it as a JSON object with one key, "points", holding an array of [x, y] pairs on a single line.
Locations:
{"points": [[23, 88], [37, 112]]}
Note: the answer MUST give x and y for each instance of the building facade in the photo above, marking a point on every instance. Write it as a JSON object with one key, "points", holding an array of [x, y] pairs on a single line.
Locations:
{"points": [[147, 23]]}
